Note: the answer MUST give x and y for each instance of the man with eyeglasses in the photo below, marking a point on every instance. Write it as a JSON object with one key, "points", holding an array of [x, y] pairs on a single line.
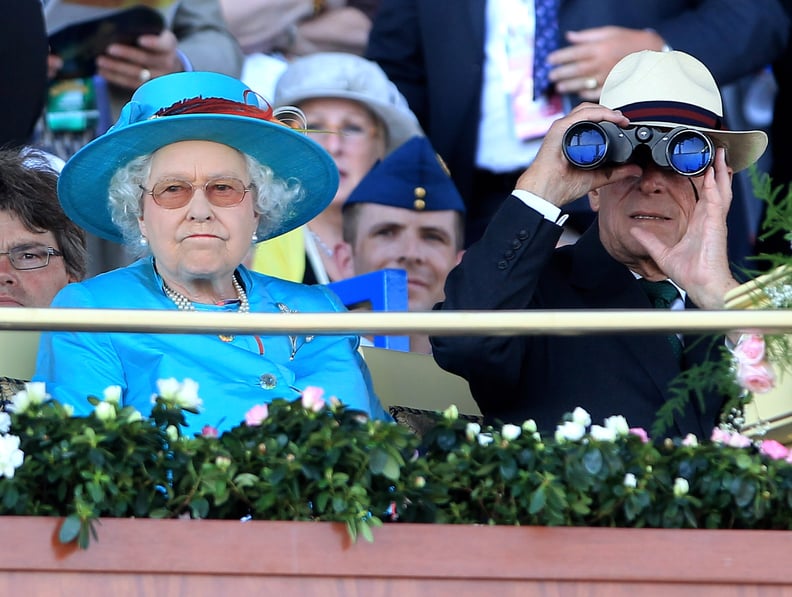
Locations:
{"points": [[41, 250]]}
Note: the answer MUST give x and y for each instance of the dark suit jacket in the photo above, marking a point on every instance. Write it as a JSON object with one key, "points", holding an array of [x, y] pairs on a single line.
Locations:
{"points": [[514, 378], [433, 50], [23, 70]]}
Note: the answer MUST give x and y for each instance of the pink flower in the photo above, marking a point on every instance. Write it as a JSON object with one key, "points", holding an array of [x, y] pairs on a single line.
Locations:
{"points": [[256, 415], [757, 378], [312, 398], [719, 436], [640, 432], [773, 449], [734, 440], [209, 431], [750, 349]]}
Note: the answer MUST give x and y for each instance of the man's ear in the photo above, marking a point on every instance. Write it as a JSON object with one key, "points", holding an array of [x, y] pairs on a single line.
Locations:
{"points": [[594, 199], [344, 259]]}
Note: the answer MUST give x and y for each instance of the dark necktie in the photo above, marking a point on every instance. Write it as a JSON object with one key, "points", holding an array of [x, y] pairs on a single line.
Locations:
{"points": [[545, 41], [662, 294]]}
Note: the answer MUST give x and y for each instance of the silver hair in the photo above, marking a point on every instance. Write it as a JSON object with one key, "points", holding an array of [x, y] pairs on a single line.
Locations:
{"points": [[272, 196]]}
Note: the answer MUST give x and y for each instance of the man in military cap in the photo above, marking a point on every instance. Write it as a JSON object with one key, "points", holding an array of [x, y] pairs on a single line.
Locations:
{"points": [[407, 214]]}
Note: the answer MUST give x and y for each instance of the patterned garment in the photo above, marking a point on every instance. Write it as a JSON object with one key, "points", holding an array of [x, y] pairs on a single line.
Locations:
{"points": [[8, 387]]}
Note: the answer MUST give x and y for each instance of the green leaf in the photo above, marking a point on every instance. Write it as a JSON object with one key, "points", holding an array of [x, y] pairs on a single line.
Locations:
{"points": [[199, 507], [70, 529], [744, 491], [592, 461], [446, 439], [378, 460], [743, 461], [538, 500], [392, 469], [508, 468], [365, 531], [246, 480], [10, 496]]}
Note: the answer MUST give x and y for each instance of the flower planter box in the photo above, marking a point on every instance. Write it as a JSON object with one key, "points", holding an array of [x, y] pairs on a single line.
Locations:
{"points": [[211, 557]]}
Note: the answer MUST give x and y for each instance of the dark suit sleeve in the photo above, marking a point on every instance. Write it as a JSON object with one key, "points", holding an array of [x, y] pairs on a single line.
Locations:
{"points": [[500, 272], [23, 69], [395, 44], [367, 7], [732, 37]]}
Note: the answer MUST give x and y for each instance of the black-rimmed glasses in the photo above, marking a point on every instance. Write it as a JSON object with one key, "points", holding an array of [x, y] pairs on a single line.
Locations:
{"points": [[27, 257]]}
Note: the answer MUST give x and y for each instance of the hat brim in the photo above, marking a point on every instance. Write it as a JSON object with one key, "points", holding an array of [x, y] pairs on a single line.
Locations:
{"points": [[400, 124], [85, 179], [743, 148]]}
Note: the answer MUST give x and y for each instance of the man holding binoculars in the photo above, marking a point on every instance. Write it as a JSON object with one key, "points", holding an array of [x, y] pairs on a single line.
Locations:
{"points": [[657, 167]]}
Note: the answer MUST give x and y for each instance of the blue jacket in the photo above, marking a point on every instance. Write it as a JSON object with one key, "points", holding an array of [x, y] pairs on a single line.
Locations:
{"points": [[232, 376]]}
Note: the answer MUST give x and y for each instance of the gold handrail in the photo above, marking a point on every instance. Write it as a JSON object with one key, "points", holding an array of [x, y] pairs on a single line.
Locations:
{"points": [[458, 323]]}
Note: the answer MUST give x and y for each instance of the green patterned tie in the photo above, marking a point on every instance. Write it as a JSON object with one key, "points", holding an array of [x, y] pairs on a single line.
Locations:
{"points": [[663, 294]]}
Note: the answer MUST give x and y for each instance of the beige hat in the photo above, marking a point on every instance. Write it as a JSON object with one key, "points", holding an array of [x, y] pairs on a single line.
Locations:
{"points": [[670, 89], [347, 76]]}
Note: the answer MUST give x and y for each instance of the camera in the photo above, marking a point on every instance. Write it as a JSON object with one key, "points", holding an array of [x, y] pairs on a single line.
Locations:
{"points": [[590, 145]]}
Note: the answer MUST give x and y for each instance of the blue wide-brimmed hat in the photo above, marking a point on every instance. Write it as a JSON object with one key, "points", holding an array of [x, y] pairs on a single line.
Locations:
{"points": [[153, 119], [413, 177]]}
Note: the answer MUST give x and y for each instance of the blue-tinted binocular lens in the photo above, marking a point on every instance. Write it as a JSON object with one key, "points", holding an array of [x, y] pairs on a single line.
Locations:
{"points": [[590, 145]]}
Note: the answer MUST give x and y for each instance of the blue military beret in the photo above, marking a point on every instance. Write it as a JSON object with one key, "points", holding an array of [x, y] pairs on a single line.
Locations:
{"points": [[412, 177]]}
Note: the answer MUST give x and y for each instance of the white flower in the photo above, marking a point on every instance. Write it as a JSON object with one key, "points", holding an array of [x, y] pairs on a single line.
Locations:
{"points": [[133, 415], [19, 402], [603, 434], [112, 394], [681, 487], [172, 432], [34, 393], [630, 480], [37, 392], [5, 422], [11, 457], [451, 413], [472, 430], [581, 417], [529, 426], [618, 424], [68, 409], [183, 395], [187, 396], [690, 440], [105, 411], [168, 388], [510, 432], [485, 439], [570, 431]]}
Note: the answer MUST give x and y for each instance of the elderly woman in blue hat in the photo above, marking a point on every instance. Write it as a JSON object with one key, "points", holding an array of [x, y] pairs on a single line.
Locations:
{"points": [[193, 173]]}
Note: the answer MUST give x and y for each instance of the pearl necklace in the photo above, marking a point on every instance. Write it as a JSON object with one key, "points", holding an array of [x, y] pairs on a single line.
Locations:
{"points": [[321, 244], [184, 304]]}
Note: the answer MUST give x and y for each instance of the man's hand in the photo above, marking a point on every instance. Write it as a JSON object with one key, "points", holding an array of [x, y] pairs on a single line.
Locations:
{"points": [[699, 261], [131, 66], [582, 67], [553, 178]]}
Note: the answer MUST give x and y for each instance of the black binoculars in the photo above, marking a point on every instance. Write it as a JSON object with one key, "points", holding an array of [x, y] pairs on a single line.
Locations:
{"points": [[590, 145]]}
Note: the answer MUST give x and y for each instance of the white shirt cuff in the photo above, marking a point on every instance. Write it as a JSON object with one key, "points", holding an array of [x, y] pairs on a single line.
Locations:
{"points": [[548, 210]]}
